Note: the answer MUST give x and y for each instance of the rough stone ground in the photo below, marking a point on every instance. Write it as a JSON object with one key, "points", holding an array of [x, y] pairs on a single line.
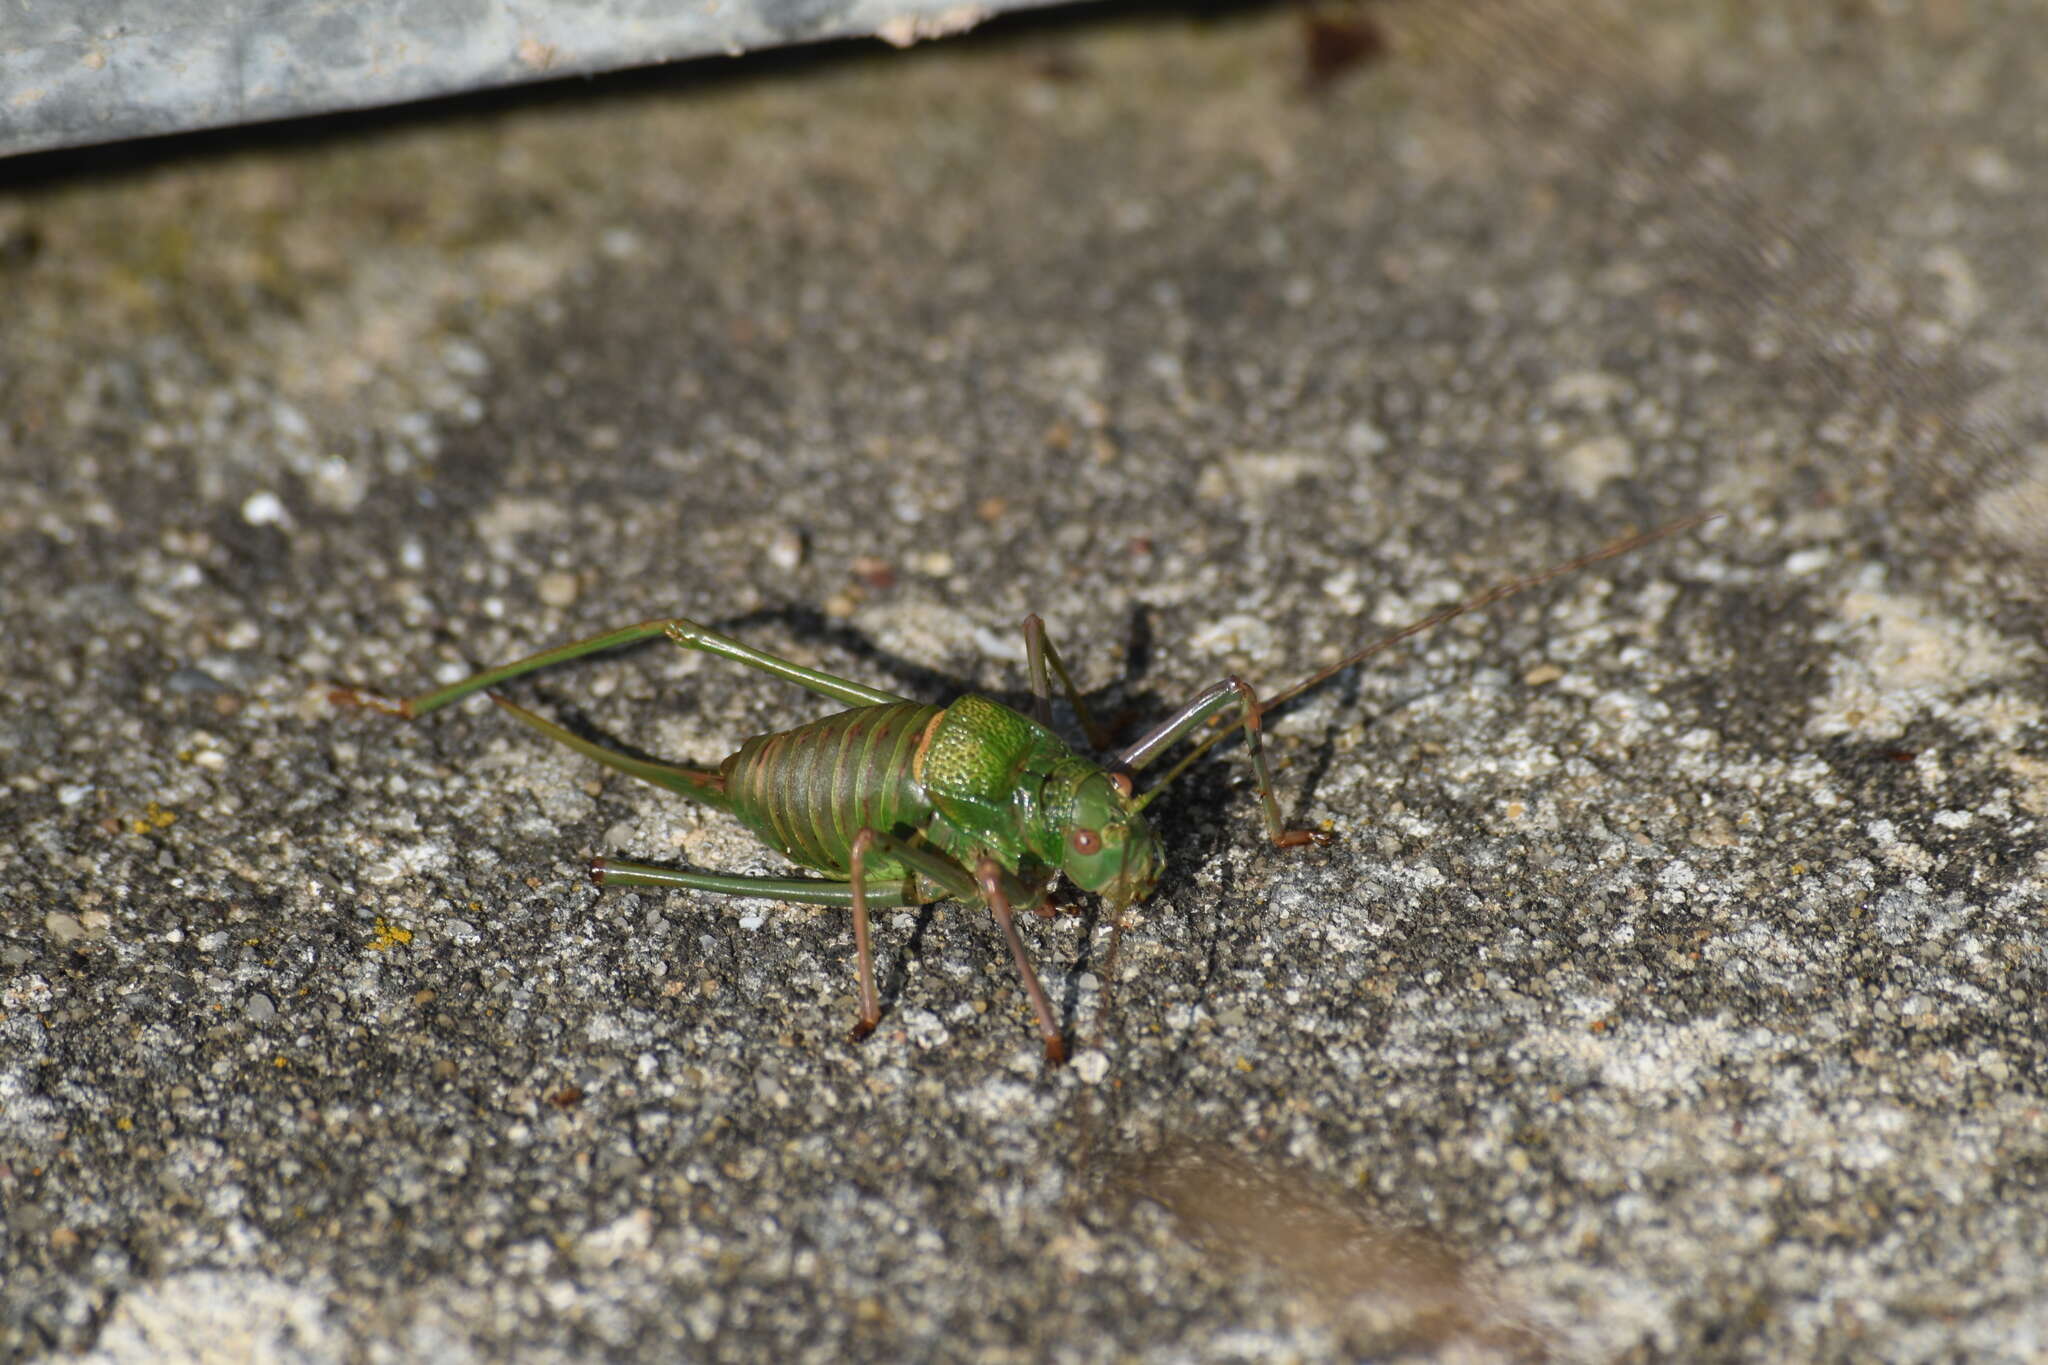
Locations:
{"points": [[1674, 989]]}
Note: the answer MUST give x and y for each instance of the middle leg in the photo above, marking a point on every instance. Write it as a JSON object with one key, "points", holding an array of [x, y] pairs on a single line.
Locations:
{"points": [[1211, 702], [988, 883]]}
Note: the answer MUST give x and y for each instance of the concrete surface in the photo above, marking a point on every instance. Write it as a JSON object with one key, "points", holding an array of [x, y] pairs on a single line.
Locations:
{"points": [[1674, 989]]}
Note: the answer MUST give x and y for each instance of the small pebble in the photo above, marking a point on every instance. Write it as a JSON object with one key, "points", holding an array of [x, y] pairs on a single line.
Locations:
{"points": [[786, 549], [558, 589], [876, 573], [261, 1009], [190, 681], [265, 509]]}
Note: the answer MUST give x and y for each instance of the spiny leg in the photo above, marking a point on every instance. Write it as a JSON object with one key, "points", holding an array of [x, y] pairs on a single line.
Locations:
{"points": [[699, 784], [1038, 651], [794, 890], [990, 877], [941, 870], [682, 631], [863, 946], [1213, 701], [994, 886], [690, 635], [798, 890]]}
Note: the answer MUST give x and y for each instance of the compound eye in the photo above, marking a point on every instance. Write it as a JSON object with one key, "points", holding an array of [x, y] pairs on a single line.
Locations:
{"points": [[1084, 841], [1122, 783]]}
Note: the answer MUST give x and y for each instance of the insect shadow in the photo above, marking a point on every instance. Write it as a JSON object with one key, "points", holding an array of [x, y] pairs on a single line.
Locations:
{"points": [[1121, 702]]}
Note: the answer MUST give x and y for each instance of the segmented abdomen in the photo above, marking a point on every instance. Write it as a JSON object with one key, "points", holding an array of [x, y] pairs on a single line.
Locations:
{"points": [[806, 792]]}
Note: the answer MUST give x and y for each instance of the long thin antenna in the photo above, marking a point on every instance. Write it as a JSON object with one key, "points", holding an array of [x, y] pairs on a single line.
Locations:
{"points": [[1219, 733], [1497, 593]]}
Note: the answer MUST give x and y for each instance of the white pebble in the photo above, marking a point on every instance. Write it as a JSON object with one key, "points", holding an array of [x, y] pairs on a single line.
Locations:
{"points": [[558, 589], [786, 549], [265, 509]]}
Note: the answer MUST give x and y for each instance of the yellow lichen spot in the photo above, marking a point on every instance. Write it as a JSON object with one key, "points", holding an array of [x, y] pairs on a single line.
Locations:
{"points": [[1244, 1064], [389, 935], [153, 817], [125, 1124], [281, 1062]]}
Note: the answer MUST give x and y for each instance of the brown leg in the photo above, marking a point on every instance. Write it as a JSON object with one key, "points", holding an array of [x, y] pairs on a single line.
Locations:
{"points": [[1038, 652], [870, 1002], [922, 864], [989, 877]]}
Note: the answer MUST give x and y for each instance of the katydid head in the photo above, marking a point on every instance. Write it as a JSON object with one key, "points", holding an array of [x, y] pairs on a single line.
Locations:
{"points": [[1108, 848]]}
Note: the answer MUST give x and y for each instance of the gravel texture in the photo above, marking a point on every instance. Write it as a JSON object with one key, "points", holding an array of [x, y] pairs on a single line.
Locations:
{"points": [[1673, 989]]}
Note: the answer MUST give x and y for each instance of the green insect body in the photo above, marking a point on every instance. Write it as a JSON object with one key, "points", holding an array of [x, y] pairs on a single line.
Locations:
{"points": [[1002, 781], [807, 792], [976, 777], [902, 803]]}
